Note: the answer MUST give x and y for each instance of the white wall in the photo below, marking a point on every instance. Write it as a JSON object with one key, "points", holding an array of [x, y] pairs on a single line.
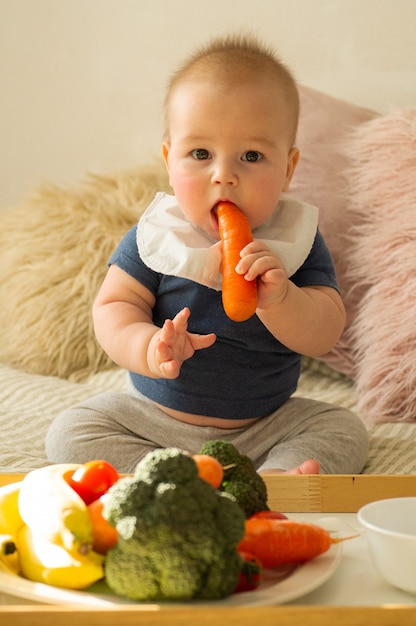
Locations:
{"points": [[81, 81]]}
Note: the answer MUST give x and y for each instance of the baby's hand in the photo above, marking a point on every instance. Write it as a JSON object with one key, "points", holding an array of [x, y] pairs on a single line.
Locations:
{"points": [[258, 262], [173, 344]]}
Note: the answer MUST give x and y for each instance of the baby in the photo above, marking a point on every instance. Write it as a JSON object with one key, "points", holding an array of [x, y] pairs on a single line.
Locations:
{"points": [[231, 115]]}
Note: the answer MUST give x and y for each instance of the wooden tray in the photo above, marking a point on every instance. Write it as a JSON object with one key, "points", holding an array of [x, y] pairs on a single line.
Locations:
{"points": [[294, 494]]}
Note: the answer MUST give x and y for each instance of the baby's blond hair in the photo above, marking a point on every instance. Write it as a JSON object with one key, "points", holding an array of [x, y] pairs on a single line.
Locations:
{"points": [[235, 60]]}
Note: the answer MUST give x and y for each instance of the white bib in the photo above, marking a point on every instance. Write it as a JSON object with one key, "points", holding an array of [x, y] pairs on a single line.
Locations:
{"points": [[169, 244]]}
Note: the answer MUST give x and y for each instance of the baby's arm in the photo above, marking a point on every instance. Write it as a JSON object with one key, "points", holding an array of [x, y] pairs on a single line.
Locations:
{"points": [[122, 315], [308, 320]]}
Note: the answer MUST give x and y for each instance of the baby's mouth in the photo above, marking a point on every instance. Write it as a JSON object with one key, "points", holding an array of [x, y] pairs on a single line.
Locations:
{"points": [[214, 217]]}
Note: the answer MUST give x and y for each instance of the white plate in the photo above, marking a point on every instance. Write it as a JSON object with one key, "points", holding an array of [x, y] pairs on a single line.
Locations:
{"points": [[302, 580]]}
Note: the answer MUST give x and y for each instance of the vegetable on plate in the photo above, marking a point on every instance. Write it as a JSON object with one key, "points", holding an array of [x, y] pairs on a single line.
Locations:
{"points": [[93, 479], [278, 542], [177, 535], [241, 481]]}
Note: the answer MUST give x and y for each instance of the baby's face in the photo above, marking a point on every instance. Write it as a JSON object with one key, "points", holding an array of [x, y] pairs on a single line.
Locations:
{"points": [[228, 144]]}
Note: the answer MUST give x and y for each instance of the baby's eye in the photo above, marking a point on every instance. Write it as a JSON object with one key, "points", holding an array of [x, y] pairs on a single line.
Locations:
{"points": [[252, 156], [200, 154]]}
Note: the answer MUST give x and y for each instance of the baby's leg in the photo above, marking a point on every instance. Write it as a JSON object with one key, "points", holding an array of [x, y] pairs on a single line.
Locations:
{"points": [[303, 430], [97, 429], [120, 428]]}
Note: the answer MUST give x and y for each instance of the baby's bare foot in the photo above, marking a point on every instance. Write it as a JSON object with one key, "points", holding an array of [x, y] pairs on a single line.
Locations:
{"points": [[307, 467]]}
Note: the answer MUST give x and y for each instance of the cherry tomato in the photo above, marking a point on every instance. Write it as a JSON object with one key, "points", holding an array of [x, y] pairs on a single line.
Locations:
{"points": [[93, 479], [250, 574], [268, 515], [104, 535]]}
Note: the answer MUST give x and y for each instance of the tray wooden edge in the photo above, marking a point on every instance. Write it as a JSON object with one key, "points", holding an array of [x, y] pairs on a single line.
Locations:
{"points": [[343, 493], [321, 493], [206, 616]]}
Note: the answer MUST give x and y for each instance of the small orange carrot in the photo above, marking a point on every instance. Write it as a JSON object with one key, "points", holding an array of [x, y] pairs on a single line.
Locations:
{"points": [[209, 469], [239, 296], [278, 542]]}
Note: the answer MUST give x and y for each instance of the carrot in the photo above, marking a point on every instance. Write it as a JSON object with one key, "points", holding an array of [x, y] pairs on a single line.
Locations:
{"points": [[209, 469], [278, 542], [239, 296]]}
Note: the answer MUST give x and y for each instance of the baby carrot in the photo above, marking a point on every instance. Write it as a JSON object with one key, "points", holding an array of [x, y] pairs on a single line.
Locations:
{"points": [[278, 542], [239, 296], [209, 469]]}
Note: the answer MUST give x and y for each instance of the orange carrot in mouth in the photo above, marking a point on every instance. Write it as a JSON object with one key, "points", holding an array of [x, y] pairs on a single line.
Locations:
{"points": [[239, 296]]}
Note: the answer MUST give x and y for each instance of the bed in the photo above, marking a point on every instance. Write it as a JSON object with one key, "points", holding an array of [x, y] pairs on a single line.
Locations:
{"points": [[357, 166]]}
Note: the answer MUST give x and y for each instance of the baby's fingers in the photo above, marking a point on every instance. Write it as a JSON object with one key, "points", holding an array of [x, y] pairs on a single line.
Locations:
{"points": [[254, 246], [257, 264], [168, 366], [180, 321], [199, 342], [177, 326]]}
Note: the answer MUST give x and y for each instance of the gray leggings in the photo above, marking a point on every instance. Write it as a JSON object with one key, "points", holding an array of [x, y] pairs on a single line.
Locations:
{"points": [[122, 427]]}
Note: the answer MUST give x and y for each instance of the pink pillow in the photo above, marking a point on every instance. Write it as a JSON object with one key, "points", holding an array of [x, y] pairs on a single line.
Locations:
{"points": [[320, 179], [381, 206]]}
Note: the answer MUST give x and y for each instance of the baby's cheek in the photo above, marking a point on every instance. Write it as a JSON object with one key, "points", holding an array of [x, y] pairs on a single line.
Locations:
{"points": [[188, 191]]}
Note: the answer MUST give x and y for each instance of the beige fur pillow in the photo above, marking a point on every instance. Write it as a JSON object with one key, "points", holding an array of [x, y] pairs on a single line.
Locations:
{"points": [[382, 208], [53, 253]]}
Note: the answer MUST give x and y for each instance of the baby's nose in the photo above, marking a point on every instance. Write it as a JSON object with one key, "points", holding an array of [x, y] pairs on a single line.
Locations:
{"points": [[224, 174]]}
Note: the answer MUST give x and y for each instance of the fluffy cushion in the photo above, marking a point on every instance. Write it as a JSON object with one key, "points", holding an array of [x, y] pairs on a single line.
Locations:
{"points": [[53, 258], [321, 179], [382, 208]]}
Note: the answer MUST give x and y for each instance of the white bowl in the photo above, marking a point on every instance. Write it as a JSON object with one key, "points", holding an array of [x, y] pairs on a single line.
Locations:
{"points": [[390, 529]]}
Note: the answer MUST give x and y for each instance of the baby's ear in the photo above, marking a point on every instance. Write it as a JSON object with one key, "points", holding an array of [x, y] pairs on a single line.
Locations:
{"points": [[292, 161], [165, 152]]}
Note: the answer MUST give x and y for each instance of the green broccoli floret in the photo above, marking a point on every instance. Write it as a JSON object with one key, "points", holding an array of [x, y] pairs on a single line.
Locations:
{"points": [[240, 477], [178, 536]]}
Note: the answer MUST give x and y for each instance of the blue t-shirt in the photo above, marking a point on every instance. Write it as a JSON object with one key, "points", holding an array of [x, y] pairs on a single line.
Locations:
{"points": [[246, 373]]}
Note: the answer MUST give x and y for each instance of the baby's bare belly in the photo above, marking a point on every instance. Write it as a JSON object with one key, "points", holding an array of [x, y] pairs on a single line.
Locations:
{"points": [[204, 420]]}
